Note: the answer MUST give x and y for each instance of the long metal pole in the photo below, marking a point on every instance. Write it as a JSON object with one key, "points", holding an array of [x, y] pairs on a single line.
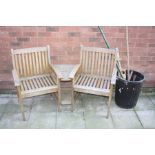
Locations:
{"points": [[104, 37], [108, 46]]}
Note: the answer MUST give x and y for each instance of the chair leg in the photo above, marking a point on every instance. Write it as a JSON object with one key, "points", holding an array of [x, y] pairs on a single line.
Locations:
{"points": [[109, 101], [109, 104], [21, 108], [59, 101], [72, 99]]}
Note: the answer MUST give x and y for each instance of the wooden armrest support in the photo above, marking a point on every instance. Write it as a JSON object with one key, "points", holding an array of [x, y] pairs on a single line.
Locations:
{"points": [[16, 78], [113, 78], [59, 76], [74, 71]]}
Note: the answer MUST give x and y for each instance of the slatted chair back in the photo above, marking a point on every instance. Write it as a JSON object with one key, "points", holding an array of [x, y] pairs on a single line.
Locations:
{"points": [[31, 61], [98, 61]]}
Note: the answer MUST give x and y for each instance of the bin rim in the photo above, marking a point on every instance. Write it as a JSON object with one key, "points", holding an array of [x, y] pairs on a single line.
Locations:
{"points": [[127, 81]]}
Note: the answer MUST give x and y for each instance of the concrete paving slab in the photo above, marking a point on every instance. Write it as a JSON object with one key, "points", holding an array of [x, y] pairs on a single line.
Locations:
{"points": [[44, 104], [152, 98], [95, 121], [66, 97], [70, 120], [88, 98], [116, 108], [13, 107], [78, 106], [4, 100], [13, 121], [92, 102], [144, 103], [147, 117], [42, 120], [126, 120], [90, 112]]}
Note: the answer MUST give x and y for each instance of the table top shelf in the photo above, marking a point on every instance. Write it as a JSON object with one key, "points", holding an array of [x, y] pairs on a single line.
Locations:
{"points": [[65, 70]]}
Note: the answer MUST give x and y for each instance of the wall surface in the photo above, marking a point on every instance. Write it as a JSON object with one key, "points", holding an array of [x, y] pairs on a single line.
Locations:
{"points": [[65, 46]]}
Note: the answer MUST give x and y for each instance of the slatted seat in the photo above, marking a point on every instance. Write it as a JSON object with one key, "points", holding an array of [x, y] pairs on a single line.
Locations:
{"points": [[34, 75], [96, 73], [86, 82], [36, 84]]}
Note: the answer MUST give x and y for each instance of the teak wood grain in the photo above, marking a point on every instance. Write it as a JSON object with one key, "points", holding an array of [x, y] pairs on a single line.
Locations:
{"points": [[34, 74], [96, 73]]}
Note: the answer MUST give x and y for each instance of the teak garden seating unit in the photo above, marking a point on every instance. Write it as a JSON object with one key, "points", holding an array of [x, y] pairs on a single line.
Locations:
{"points": [[34, 75], [96, 73]]}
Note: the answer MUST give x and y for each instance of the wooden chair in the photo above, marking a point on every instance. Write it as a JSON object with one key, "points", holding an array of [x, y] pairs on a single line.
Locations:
{"points": [[34, 75], [96, 73]]}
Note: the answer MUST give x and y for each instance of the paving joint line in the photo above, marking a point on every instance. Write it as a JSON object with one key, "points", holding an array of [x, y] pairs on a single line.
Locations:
{"points": [[138, 118]]}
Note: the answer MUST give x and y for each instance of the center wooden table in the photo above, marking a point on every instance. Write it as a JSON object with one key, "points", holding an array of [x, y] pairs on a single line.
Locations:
{"points": [[66, 83]]}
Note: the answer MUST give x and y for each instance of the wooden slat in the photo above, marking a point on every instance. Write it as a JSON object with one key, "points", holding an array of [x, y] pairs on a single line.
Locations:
{"points": [[45, 81], [98, 82], [40, 63], [30, 50], [105, 65], [38, 82], [113, 64], [41, 82], [27, 65], [96, 91], [94, 49], [16, 63], [88, 68], [20, 65], [37, 63], [83, 62], [86, 80], [105, 84], [93, 61], [101, 84], [95, 64], [43, 62], [25, 86], [108, 68], [33, 64], [32, 85], [99, 64], [95, 82], [108, 84], [28, 84], [24, 65], [92, 82], [46, 61], [30, 64], [83, 79], [35, 84], [77, 78], [89, 81], [102, 64], [51, 81]]}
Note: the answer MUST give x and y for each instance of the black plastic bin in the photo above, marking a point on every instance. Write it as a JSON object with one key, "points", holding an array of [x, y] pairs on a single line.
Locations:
{"points": [[127, 92]]}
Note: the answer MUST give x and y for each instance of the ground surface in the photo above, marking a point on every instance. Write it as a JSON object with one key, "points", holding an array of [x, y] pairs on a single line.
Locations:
{"points": [[90, 112]]}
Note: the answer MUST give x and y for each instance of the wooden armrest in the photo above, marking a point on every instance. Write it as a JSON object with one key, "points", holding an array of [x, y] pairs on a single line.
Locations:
{"points": [[74, 71], [59, 75], [16, 78], [113, 78]]}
